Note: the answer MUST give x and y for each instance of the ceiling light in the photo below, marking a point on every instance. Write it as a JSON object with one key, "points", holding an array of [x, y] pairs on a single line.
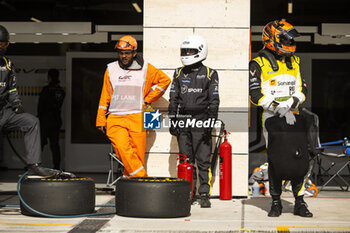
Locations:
{"points": [[290, 7], [137, 7], [38, 33], [35, 20]]}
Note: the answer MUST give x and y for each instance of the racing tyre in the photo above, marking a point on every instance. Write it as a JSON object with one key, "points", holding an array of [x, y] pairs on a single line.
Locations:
{"points": [[153, 197], [61, 197]]}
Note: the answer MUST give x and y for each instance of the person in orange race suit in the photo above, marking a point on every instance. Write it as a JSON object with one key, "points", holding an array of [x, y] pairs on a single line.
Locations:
{"points": [[126, 92]]}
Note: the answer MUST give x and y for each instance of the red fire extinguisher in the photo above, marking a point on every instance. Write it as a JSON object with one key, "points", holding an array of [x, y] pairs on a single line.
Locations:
{"points": [[185, 170], [225, 169]]}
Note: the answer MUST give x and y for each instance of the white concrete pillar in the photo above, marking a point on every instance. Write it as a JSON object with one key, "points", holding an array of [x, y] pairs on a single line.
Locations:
{"points": [[225, 26]]}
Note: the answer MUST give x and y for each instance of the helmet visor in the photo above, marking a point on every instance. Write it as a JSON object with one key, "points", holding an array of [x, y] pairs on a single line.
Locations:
{"points": [[288, 42], [3, 44], [122, 44], [188, 52], [289, 35]]}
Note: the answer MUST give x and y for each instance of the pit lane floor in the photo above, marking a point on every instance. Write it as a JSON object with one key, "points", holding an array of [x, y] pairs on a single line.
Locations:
{"points": [[331, 209]]}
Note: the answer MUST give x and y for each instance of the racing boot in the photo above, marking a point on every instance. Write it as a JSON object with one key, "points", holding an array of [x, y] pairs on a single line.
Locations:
{"points": [[205, 202], [300, 208], [36, 171], [276, 209]]}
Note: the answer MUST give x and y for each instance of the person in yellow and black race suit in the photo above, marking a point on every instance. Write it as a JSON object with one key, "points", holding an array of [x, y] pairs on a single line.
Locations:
{"points": [[194, 94], [276, 85], [126, 91], [12, 115]]}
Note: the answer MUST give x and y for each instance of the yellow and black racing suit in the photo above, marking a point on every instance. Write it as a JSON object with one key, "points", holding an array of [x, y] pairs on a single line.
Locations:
{"points": [[273, 79]]}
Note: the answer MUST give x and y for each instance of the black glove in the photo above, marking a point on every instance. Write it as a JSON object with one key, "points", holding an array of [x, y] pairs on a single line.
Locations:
{"points": [[173, 129], [17, 107]]}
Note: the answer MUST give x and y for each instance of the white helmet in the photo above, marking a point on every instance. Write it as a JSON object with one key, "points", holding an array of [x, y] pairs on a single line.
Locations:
{"points": [[193, 49]]}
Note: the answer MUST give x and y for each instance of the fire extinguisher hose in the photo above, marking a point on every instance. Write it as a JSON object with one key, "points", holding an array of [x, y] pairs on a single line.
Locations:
{"points": [[217, 146]]}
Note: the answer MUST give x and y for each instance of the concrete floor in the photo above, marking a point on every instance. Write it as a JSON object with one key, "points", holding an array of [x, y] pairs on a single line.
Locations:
{"points": [[331, 209]]}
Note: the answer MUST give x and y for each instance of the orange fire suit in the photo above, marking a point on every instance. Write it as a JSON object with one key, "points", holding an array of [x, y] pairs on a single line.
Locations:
{"points": [[125, 122]]}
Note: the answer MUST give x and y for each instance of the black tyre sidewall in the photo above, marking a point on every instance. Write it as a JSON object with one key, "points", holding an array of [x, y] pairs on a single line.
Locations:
{"points": [[58, 196], [153, 197]]}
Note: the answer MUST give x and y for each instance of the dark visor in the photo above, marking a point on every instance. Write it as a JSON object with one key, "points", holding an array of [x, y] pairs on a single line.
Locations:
{"points": [[289, 35], [188, 52]]}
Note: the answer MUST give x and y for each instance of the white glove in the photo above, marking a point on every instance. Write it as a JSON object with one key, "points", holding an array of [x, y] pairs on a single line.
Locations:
{"points": [[290, 118], [283, 107]]}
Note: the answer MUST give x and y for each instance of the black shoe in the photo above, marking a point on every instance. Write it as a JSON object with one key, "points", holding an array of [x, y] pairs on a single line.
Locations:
{"points": [[276, 209], [300, 208], [36, 171], [205, 202]]}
